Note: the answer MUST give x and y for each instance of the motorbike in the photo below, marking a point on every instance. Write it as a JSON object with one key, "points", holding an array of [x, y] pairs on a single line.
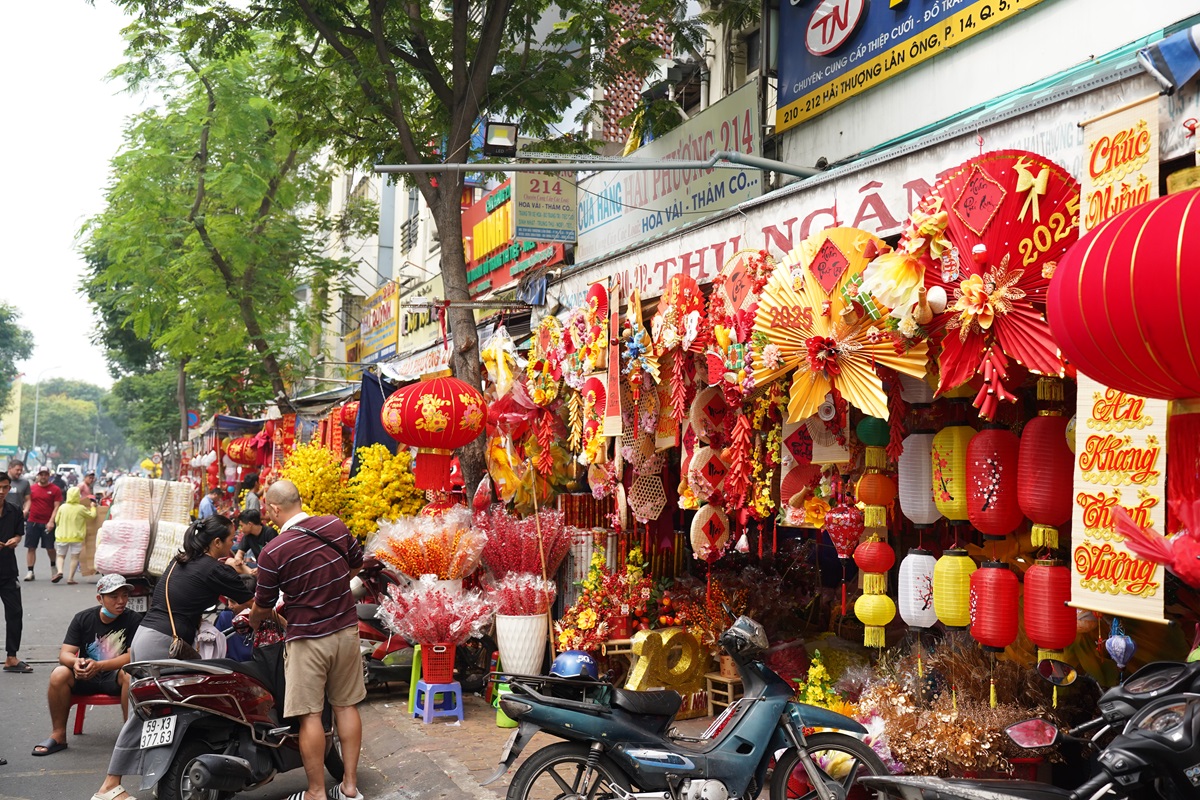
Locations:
{"points": [[211, 729], [617, 743], [1157, 710]]}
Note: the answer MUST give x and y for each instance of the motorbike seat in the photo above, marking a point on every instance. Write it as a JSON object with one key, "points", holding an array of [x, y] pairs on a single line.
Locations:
{"points": [[650, 704], [366, 612]]}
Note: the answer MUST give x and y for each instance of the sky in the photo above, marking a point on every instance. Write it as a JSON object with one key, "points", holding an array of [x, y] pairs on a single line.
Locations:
{"points": [[64, 124]]}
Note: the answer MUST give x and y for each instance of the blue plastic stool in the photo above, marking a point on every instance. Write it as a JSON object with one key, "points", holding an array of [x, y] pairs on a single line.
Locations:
{"points": [[446, 701]]}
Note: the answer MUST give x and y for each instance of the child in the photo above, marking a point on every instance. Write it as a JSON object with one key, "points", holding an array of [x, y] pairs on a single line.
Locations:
{"points": [[70, 529]]}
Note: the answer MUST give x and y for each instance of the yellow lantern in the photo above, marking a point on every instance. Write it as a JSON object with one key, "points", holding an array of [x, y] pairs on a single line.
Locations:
{"points": [[949, 461], [952, 588], [874, 611]]}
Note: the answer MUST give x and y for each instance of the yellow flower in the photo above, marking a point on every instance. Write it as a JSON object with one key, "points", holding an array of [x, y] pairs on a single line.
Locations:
{"points": [[587, 619], [975, 304]]}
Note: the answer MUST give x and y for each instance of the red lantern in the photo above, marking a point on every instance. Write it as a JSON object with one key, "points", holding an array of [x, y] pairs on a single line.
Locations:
{"points": [[1045, 471], [436, 415], [992, 458], [241, 451], [874, 556], [350, 413], [1049, 622], [994, 592], [844, 523]]}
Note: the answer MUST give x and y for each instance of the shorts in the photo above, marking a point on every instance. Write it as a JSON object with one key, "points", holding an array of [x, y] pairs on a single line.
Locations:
{"points": [[65, 549], [104, 683], [323, 667], [37, 536]]}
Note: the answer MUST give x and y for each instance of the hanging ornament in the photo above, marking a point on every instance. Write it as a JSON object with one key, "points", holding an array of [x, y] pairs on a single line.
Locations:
{"points": [[844, 524], [1045, 474], [948, 460], [992, 458], [952, 588], [1119, 646], [709, 414], [350, 413], [544, 367], [915, 469], [874, 608], [1050, 623], [916, 589], [437, 414], [241, 451], [993, 605], [710, 533]]}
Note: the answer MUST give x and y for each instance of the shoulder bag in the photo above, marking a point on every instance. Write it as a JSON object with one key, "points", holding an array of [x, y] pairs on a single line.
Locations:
{"points": [[321, 538], [179, 648]]}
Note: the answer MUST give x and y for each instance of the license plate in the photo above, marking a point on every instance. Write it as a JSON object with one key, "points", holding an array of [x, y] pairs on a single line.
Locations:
{"points": [[159, 731], [508, 746], [139, 604]]}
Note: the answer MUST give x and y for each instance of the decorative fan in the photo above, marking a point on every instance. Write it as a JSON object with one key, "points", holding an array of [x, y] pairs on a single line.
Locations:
{"points": [[708, 414], [742, 279], [677, 324], [706, 474], [638, 356], [545, 361], [647, 498], [988, 238], [594, 398], [808, 321], [731, 308], [709, 534]]}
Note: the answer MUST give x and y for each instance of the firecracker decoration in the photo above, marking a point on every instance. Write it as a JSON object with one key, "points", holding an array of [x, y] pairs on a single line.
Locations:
{"points": [[436, 415], [544, 367], [575, 420], [383, 488], [874, 608], [678, 329], [804, 324], [738, 456], [317, 474]]}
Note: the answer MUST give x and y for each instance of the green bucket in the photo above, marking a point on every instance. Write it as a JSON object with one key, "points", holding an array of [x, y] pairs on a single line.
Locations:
{"points": [[502, 719]]}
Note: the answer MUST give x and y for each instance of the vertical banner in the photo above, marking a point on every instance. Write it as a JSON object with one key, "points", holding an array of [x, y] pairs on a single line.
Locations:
{"points": [[1120, 460], [1120, 164]]}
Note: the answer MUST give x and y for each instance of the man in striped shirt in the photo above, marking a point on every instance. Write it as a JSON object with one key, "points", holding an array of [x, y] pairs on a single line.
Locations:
{"points": [[310, 564]]}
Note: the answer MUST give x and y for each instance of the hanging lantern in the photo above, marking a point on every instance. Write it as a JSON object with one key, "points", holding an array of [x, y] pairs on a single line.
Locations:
{"points": [[915, 391], [948, 463], [1120, 647], [350, 413], [875, 489], [241, 451], [844, 523], [1049, 622], [916, 589], [875, 558], [1044, 477], [994, 593], [436, 415], [992, 457], [873, 431], [874, 611], [915, 469], [952, 588]]}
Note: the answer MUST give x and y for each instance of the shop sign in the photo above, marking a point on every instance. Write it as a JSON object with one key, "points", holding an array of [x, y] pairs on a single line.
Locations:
{"points": [[495, 259], [353, 347], [378, 330], [546, 207], [410, 369], [420, 326], [10, 422], [621, 208], [1120, 165], [1120, 461], [832, 50]]}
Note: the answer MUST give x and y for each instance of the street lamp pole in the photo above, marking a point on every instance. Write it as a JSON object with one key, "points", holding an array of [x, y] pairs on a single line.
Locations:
{"points": [[37, 397]]}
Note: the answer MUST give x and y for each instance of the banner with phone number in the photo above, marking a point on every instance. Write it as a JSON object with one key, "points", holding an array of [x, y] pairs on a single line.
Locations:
{"points": [[831, 50]]}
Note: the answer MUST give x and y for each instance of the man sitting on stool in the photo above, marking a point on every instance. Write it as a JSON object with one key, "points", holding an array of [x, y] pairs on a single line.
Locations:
{"points": [[90, 660]]}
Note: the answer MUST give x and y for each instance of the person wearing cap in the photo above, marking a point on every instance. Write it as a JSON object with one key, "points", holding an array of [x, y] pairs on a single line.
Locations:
{"points": [[44, 500], [94, 650]]}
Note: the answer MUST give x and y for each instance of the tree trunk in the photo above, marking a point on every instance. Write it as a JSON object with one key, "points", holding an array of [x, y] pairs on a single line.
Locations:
{"points": [[465, 361], [181, 399]]}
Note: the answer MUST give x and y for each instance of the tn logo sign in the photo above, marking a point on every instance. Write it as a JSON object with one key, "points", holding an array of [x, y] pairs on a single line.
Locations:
{"points": [[831, 24]]}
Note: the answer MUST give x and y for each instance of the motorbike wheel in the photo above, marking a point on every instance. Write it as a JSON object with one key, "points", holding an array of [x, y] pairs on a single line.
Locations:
{"points": [[558, 771], [175, 783], [790, 781]]}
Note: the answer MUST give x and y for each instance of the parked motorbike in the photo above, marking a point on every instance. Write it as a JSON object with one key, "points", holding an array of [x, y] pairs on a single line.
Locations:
{"points": [[212, 729], [617, 743]]}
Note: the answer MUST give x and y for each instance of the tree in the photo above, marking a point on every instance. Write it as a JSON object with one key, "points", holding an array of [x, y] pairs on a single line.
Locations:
{"points": [[72, 439], [147, 409], [16, 344], [409, 82]]}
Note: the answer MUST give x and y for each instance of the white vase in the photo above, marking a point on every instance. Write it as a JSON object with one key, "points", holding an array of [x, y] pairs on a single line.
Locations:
{"points": [[522, 642]]}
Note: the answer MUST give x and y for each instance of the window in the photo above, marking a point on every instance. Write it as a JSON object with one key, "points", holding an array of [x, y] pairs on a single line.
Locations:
{"points": [[753, 50], [352, 306]]}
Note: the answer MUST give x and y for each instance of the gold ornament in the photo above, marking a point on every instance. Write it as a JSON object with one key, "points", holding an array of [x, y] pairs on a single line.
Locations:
{"points": [[652, 668]]}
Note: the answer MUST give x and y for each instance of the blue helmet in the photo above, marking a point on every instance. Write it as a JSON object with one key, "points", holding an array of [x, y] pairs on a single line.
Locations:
{"points": [[575, 664]]}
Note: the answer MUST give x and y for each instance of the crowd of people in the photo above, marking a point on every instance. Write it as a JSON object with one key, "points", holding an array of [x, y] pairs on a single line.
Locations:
{"points": [[286, 569]]}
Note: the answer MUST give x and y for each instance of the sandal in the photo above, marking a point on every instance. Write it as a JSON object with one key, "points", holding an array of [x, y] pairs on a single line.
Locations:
{"points": [[336, 793], [57, 577], [111, 794], [20, 666], [49, 747], [72, 583]]}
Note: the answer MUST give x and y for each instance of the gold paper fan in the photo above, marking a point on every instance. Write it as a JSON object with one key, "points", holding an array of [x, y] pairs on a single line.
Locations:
{"points": [[807, 322]]}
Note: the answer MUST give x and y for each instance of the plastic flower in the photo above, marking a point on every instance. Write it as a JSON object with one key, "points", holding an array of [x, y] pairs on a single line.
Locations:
{"points": [[587, 619], [894, 279], [973, 304]]}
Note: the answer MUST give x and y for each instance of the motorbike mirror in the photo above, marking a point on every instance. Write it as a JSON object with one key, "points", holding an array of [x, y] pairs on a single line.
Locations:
{"points": [[1032, 734], [729, 611], [1059, 673]]}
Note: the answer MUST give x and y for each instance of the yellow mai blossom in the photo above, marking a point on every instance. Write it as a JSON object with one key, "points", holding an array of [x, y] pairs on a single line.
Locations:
{"points": [[383, 488], [317, 473]]}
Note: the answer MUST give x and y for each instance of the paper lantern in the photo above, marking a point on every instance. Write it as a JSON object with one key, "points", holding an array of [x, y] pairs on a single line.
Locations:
{"points": [[241, 451], [994, 593], [350, 413], [436, 415], [915, 391], [916, 589], [844, 523], [952, 588], [1050, 623], [875, 489], [875, 558], [874, 611], [992, 458], [1044, 477], [873, 432], [948, 462], [915, 471], [1120, 646]]}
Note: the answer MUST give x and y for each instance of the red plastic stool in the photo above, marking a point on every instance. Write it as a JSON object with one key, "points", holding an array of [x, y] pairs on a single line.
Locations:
{"points": [[82, 701]]}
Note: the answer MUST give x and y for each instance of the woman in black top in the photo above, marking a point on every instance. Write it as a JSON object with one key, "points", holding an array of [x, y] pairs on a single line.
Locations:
{"points": [[197, 577]]}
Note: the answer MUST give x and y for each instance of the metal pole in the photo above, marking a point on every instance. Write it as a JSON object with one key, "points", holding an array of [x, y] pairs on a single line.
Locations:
{"points": [[37, 398], [736, 161]]}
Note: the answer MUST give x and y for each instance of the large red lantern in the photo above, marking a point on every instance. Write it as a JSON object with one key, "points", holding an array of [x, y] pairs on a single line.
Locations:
{"points": [[436, 415], [241, 451], [1045, 471], [992, 458], [1049, 622], [994, 593], [350, 413], [875, 558]]}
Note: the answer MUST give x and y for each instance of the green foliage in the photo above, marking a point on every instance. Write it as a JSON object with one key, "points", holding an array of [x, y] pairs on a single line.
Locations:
{"points": [[16, 344], [74, 418], [146, 408]]}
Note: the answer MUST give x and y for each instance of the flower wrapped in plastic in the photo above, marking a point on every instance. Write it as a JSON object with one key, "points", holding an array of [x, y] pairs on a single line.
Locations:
{"points": [[513, 544], [426, 613], [446, 546], [520, 595]]}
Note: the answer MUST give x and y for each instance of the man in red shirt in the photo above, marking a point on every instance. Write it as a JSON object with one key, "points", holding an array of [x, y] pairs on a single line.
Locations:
{"points": [[310, 563], [44, 500]]}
